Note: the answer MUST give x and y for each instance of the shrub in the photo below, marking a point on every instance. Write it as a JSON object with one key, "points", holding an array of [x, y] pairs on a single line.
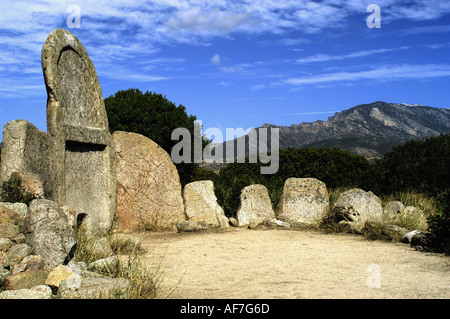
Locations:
{"points": [[145, 281], [14, 192]]}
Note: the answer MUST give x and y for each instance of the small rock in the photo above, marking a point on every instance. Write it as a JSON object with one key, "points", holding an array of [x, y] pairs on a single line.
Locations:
{"points": [[77, 265], [44, 289], [32, 262], [25, 279], [95, 288], [9, 230], [191, 226], [420, 239], [4, 273], [18, 252], [99, 247], [10, 216], [394, 232], [24, 294], [233, 222], [4, 260], [393, 208], [19, 239], [60, 273], [20, 208], [108, 265], [5, 244], [406, 239], [278, 223]]}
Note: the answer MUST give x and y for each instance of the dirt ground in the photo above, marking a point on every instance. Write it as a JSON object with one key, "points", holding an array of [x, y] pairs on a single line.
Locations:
{"points": [[285, 264]]}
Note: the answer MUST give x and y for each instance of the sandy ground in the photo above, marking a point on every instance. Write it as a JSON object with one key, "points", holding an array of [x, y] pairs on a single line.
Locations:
{"points": [[284, 264]]}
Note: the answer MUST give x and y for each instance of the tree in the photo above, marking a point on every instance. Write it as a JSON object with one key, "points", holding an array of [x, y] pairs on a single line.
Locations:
{"points": [[153, 116]]}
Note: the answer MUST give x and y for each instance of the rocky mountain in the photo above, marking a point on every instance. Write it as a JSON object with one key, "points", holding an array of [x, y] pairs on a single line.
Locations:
{"points": [[368, 129]]}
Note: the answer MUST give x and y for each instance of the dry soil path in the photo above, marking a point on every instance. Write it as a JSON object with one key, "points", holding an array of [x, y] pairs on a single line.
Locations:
{"points": [[283, 264]]}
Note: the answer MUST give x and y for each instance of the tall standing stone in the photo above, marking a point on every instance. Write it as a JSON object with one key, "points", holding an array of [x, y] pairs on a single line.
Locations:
{"points": [[304, 201], [82, 166], [148, 185]]}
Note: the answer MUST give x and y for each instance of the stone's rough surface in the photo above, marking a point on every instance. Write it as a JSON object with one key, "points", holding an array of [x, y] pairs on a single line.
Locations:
{"points": [[191, 225], [25, 150], [10, 216], [20, 208], [81, 158], [304, 201], [394, 232], [16, 253], [406, 238], [98, 247], [4, 261], [357, 201], [5, 244], [26, 279], [9, 230], [393, 208], [94, 288], [201, 204], [256, 207], [60, 273], [48, 232], [32, 262], [25, 294], [148, 185]]}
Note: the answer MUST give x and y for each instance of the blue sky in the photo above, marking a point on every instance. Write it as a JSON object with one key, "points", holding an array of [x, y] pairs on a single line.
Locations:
{"points": [[236, 63]]}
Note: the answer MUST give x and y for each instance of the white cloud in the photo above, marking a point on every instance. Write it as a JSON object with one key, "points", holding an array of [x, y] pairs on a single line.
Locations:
{"points": [[383, 74], [119, 30], [357, 54], [215, 59], [257, 87]]}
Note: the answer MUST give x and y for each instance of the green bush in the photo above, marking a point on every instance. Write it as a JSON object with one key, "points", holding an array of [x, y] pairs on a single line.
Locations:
{"points": [[153, 116], [14, 192]]}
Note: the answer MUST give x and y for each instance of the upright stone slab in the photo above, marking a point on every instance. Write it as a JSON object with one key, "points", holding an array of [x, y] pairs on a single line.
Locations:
{"points": [[256, 207], [357, 205], [25, 150], [201, 205], [82, 171], [304, 201], [148, 185]]}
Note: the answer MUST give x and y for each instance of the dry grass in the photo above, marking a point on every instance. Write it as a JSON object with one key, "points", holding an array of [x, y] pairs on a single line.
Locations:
{"points": [[146, 282], [410, 219]]}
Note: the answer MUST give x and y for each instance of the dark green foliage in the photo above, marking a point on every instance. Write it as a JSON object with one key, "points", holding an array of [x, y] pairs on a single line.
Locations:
{"points": [[439, 224], [12, 191], [153, 116], [422, 165], [334, 167]]}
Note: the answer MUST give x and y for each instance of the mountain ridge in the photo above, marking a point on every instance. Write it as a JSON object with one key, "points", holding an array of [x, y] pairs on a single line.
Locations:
{"points": [[367, 129]]}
